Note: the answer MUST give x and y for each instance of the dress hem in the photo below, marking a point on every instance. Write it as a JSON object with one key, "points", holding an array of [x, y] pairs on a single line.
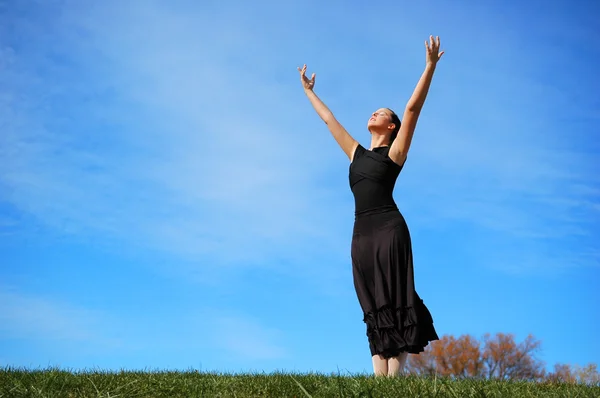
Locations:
{"points": [[405, 329]]}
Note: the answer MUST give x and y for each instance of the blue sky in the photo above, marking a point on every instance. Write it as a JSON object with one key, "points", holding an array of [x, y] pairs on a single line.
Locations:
{"points": [[169, 199]]}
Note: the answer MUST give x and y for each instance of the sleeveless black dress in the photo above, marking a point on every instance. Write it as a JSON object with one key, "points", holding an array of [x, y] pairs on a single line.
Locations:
{"points": [[396, 318]]}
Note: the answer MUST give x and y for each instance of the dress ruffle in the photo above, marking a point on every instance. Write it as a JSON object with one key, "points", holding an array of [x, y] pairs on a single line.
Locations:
{"points": [[393, 331]]}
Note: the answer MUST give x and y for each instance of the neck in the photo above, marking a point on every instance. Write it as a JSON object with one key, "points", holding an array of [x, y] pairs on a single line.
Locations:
{"points": [[378, 140]]}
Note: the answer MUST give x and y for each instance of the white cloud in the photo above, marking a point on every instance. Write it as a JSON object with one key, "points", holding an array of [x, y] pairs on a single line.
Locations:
{"points": [[187, 147], [248, 340], [204, 166], [32, 316], [87, 336]]}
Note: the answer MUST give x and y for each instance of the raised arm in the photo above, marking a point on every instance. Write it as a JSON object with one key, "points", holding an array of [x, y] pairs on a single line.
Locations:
{"points": [[401, 144], [342, 137]]}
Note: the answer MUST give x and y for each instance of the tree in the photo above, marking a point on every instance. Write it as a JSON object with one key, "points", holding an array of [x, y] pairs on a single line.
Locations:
{"points": [[496, 357], [422, 364], [459, 357], [564, 373], [450, 357], [588, 374], [505, 359], [499, 358]]}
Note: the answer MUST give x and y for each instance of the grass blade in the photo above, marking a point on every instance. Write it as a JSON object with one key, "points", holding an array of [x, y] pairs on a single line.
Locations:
{"points": [[301, 387]]}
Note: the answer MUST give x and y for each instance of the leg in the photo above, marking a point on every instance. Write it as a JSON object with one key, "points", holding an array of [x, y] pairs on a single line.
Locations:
{"points": [[396, 364], [380, 365]]}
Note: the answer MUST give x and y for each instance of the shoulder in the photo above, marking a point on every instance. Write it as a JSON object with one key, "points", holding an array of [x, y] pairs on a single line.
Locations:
{"points": [[358, 152], [397, 160]]}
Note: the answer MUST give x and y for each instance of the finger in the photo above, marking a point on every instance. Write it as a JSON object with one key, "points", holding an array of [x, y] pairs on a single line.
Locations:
{"points": [[426, 46], [313, 77], [438, 41], [440, 55]]}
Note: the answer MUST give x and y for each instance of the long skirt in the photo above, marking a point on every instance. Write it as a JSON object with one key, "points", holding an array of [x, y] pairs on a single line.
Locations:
{"points": [[396, 318]]}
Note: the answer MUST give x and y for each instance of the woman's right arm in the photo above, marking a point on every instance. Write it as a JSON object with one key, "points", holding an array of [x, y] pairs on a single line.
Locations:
{"points": [[342, 137]]}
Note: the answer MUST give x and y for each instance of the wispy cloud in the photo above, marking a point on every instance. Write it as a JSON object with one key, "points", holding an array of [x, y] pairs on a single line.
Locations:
{"points": [[176, 135], [248, 339], [47, 319], [185, 334], [173, 142], [504, 149], [187, 156]]}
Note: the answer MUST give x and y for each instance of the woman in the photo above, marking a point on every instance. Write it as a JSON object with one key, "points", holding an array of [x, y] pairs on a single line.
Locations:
{"points": [[397, 320]]}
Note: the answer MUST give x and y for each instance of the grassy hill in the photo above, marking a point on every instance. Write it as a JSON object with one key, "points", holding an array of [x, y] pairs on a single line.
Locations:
{"points": [[61, 383]]}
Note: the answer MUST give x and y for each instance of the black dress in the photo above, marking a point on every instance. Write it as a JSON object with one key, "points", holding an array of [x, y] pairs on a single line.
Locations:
{"points": [[396, 318]]}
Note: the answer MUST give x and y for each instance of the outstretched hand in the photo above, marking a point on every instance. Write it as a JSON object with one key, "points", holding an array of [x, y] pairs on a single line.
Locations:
{"points": [[433, 50], [307, 83]]}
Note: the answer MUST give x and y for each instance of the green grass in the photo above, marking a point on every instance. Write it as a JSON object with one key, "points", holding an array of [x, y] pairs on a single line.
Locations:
{"points": [[61, 383]]}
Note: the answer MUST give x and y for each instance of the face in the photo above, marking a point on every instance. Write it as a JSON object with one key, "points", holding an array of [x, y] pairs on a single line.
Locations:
{"points": [[381, 120]]}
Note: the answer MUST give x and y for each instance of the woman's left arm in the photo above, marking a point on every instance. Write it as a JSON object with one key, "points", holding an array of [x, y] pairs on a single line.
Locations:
{"points": [[401, 144]]}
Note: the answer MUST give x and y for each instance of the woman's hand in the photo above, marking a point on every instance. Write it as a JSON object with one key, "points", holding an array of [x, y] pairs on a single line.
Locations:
{"points": [[306, 83], [433, 54]]}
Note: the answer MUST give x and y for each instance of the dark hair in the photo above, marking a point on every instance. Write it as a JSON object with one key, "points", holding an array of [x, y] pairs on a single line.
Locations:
{"points": [[397, 123]]}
